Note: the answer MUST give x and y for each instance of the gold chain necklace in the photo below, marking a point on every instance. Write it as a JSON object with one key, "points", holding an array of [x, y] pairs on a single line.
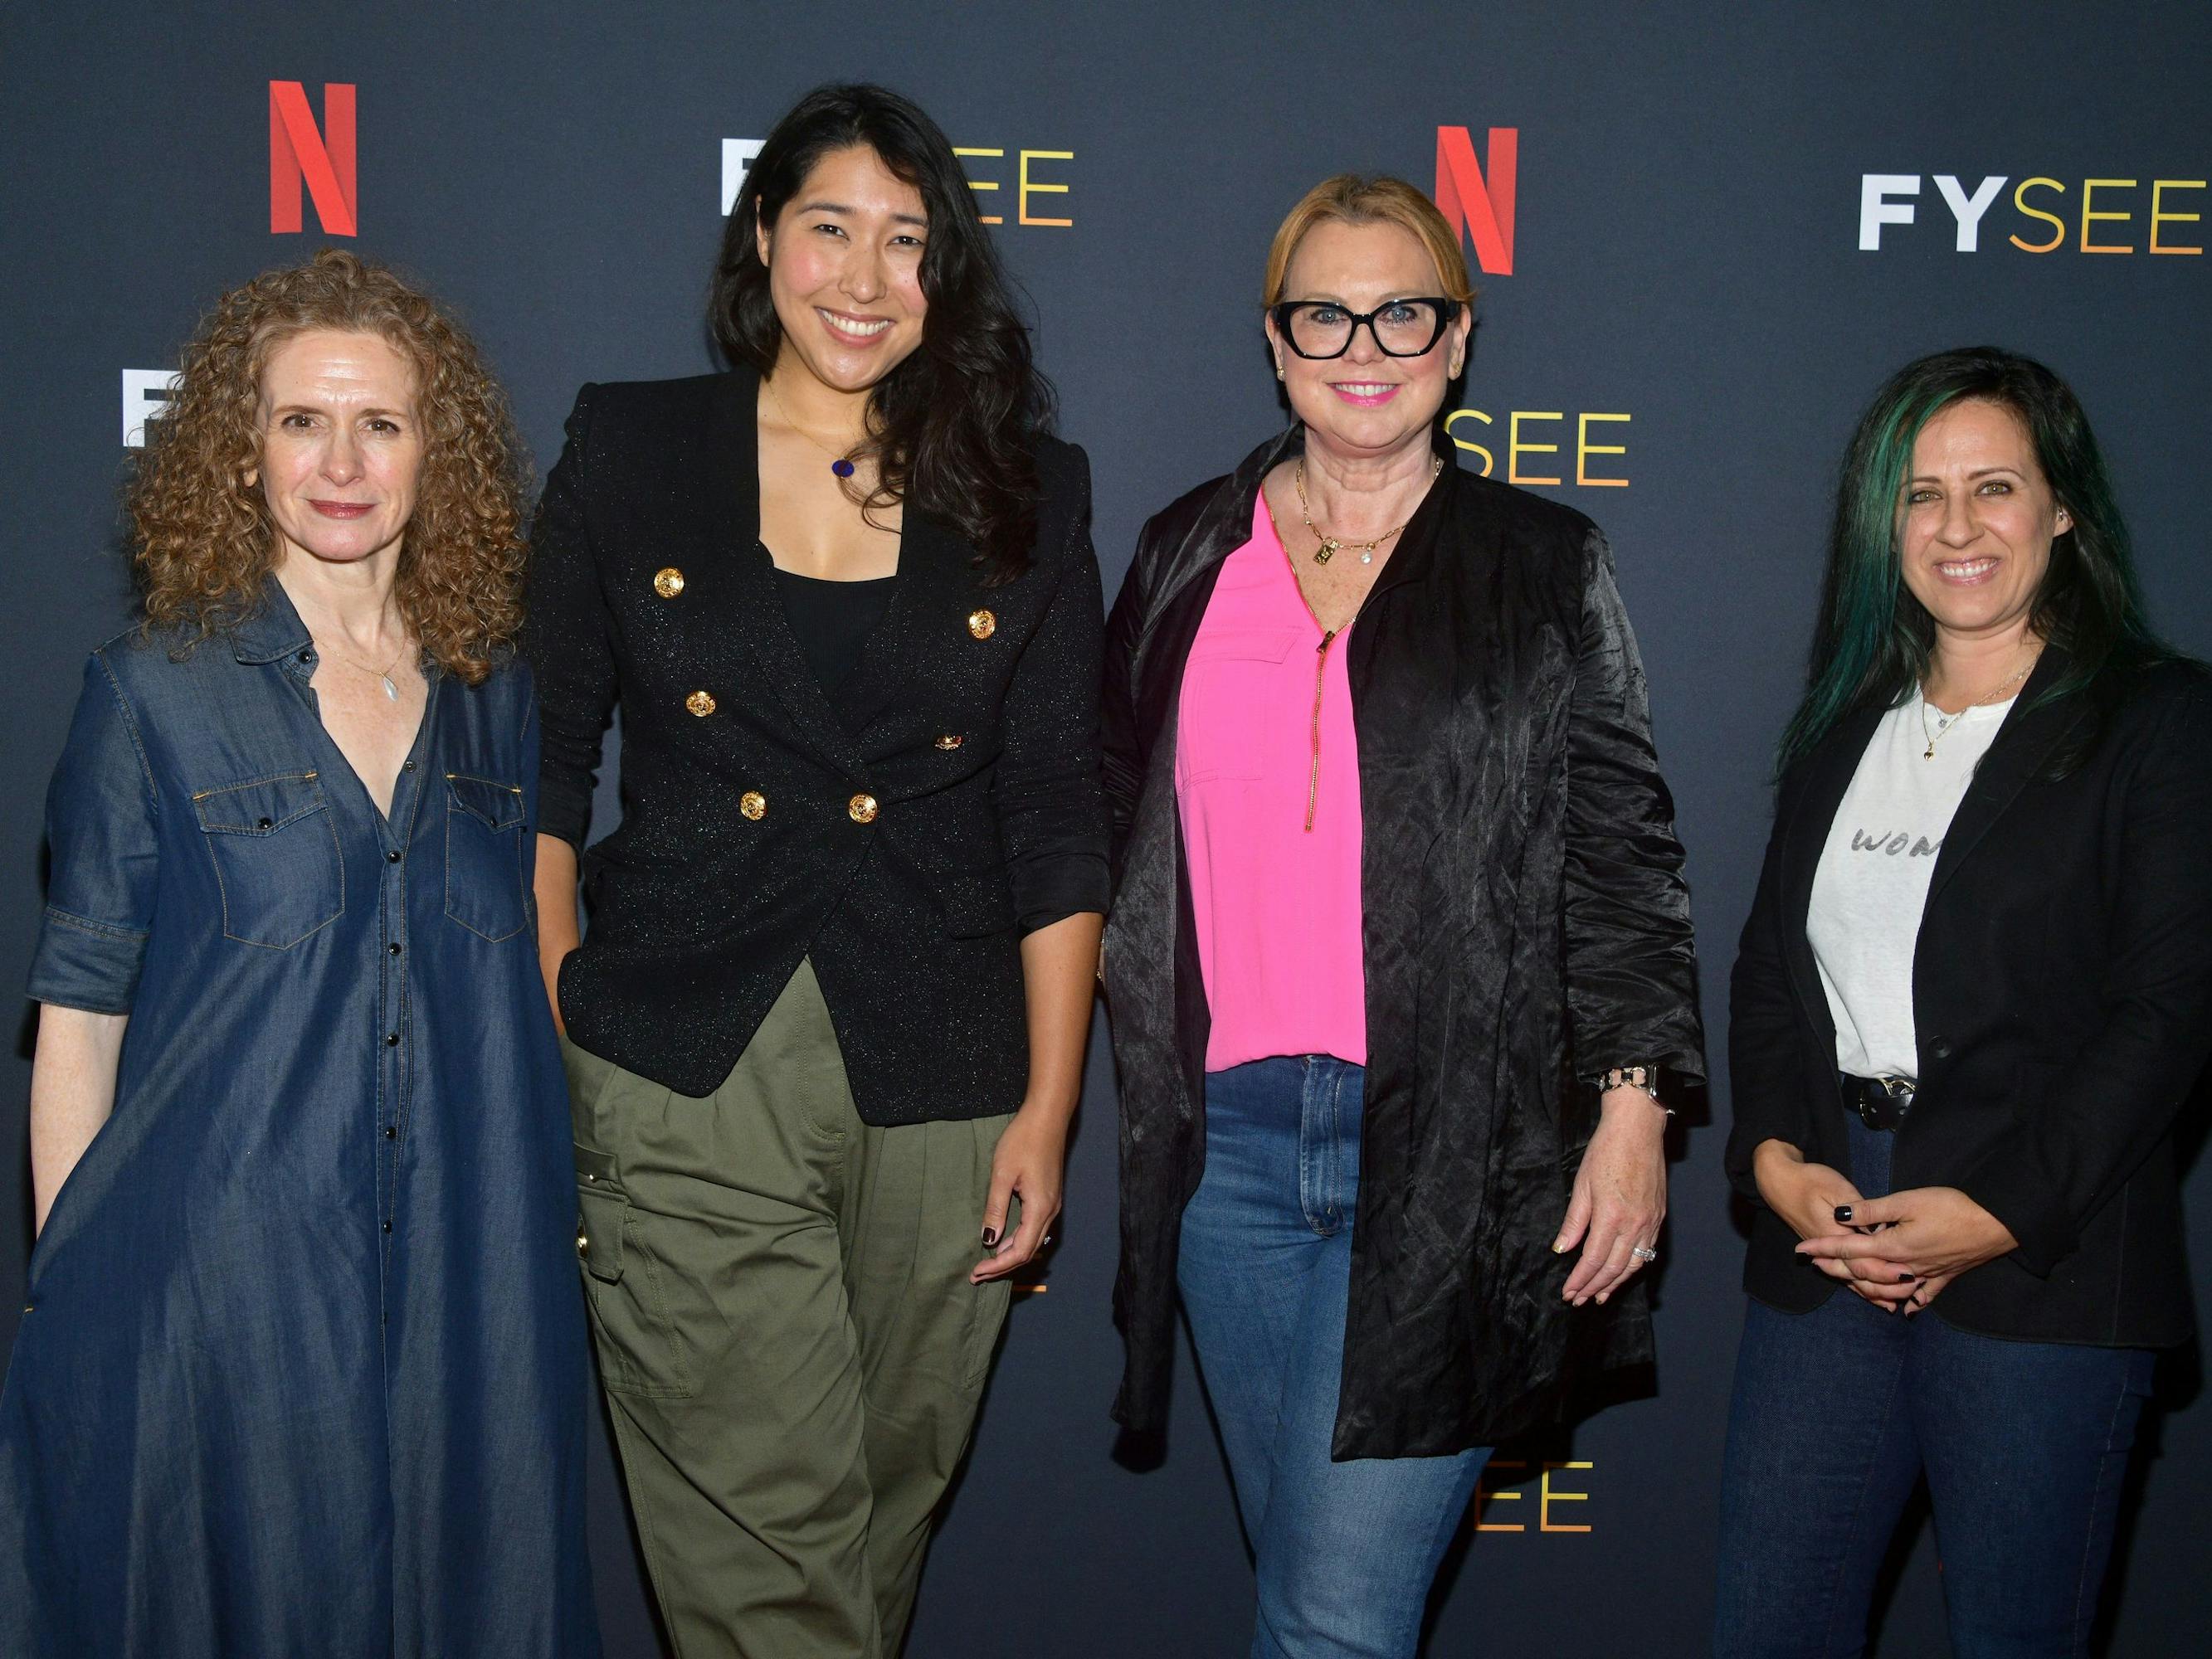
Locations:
{"points": [[841, 464], [1958, 719], [1332, 546]]}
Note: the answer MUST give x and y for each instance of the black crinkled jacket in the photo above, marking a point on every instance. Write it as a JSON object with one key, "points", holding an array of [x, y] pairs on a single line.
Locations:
{"points": [[1526, 922]]}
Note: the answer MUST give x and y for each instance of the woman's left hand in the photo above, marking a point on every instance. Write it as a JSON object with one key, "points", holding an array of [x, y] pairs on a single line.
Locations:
{"points": [[1030, 1163], [1933, 1233], [1620, 1197]]}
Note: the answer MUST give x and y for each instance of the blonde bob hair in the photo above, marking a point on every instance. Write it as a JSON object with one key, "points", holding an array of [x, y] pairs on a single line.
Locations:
{"points": [[201, 538], [1355, 199]]}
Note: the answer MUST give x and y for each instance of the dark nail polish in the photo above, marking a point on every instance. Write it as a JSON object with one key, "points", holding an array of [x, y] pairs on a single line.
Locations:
{"points": [[1907, 1279], [990, 1236], [1844, 1214]]}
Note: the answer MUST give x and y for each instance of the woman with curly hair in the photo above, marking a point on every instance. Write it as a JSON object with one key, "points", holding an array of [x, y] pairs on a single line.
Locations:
{"points": [[828, 1026], [302, 1368]]}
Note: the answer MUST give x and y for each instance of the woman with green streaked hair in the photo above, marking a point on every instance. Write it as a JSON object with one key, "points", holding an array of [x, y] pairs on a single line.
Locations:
{"points": [[1973, 993]]}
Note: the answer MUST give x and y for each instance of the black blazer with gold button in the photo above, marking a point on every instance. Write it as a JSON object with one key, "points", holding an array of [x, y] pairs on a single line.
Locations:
{"points": [[903, 854], [2061, 988]]}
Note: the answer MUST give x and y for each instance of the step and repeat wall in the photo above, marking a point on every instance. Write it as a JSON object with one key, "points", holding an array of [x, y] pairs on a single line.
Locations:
{"points": [[1703, 235]]}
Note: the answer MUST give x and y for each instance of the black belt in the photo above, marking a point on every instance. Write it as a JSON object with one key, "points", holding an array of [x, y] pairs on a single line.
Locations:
{"points": [[1881, 1103]]}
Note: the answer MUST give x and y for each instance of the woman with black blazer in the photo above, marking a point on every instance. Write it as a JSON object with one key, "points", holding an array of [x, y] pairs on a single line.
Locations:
{"points": [[827, 1031], [1974, 991]]}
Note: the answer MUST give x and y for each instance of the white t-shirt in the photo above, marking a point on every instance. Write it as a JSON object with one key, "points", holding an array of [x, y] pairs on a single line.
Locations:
{"points": [[1871, 884]]}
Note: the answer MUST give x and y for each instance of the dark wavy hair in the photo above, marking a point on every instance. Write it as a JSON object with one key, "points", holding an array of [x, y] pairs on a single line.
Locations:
{"points": [[952, 429], [1872, 642]]}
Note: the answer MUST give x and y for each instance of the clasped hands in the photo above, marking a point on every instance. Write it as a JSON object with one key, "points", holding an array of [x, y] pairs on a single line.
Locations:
{"points": [[1898, 1252]]}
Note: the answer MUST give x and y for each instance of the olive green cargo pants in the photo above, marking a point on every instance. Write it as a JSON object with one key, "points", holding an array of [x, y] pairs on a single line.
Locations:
{"points": [[791, 1349]]}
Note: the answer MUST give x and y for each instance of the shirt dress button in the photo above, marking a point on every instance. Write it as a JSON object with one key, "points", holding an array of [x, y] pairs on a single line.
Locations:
{"points": [[392, 858], [393, 947]]}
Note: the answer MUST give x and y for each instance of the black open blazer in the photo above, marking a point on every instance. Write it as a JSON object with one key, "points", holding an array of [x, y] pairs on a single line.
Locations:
{"points": [[2062, 990], [904, 857], [1526, 921]]}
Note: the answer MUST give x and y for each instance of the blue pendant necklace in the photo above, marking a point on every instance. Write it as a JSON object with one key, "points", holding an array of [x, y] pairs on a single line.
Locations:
{"points": [[839, 465]]}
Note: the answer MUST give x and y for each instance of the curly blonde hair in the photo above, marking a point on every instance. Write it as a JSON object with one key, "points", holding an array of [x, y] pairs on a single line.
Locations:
{"points": [[202, 541]]}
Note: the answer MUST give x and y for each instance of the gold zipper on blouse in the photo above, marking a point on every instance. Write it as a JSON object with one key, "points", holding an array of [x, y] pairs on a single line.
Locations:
{"points": [[1321, 663], [1321, 679]]}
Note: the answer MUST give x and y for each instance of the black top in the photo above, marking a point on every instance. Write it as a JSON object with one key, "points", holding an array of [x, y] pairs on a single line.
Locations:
{"points": [[831, 621], [901, 849], [1525, 918], [2062, 985]]}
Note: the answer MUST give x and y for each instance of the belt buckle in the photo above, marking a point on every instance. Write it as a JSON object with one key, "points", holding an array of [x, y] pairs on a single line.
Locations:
{"points": [[1897, 1096]]}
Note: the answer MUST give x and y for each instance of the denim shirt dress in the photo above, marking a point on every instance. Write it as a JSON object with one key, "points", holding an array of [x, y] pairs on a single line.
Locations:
{"points": [[303, 1367]]}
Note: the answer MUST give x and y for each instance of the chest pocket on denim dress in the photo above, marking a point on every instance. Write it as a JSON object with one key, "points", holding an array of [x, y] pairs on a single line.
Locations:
{"points": [[276, 858], [484, 856]]}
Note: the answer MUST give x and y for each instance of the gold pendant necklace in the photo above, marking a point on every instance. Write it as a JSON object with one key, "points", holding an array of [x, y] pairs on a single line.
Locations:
{"points": [[1951, 721], [1332, 546]]}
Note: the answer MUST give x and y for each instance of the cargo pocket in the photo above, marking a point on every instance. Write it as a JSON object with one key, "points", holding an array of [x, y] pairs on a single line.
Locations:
{"points": [[989, 1318], [483, 857], [624, 1283], [276, 860]]}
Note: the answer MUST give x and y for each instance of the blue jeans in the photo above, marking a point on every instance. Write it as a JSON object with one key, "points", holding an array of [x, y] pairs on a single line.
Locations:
{"points": [[1836, 1415], [1344, 1553]]}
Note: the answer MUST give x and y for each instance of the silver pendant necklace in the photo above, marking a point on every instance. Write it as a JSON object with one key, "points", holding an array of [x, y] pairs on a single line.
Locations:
{"points": [[383, 675]]}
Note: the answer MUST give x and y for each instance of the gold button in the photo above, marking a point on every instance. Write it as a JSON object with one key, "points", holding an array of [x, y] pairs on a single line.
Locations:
{"points": [[583, 1244], [983, 624], [699, 703], [951, 740], [861, 809], [668, 581], [753, 804]]}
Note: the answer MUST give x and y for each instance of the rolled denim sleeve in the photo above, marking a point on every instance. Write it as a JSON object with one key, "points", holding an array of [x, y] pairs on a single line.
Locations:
{"points": [[102, 829]]}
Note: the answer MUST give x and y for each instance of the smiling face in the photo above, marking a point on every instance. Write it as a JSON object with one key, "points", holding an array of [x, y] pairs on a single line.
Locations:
{"points": [[1366, 403], [844, 264], [1976, 523], [341, 450]]}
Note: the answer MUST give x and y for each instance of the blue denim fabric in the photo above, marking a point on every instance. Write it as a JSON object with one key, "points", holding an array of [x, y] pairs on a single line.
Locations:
{"points": [[304, 1369], [1344, 1551], [1838, 1412]]}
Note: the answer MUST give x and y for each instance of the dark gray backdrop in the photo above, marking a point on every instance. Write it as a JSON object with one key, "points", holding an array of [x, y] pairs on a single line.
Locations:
{"points": [[1686, 253]]}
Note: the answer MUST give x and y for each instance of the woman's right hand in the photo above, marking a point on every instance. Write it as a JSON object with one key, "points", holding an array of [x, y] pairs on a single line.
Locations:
{"points": [[1807, 1195]]}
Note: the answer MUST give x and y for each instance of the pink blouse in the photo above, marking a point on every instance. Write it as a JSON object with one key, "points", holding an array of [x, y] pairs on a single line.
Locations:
{"points": [[1267, 784]]}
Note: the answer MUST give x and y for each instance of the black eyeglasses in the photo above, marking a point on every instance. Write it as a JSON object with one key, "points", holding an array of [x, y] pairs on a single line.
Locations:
{"points": [[1400, 328]]}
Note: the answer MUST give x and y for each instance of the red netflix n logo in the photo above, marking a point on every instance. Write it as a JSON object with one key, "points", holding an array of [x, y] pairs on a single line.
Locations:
{"points": [[1480, 208], [321, 161]]}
